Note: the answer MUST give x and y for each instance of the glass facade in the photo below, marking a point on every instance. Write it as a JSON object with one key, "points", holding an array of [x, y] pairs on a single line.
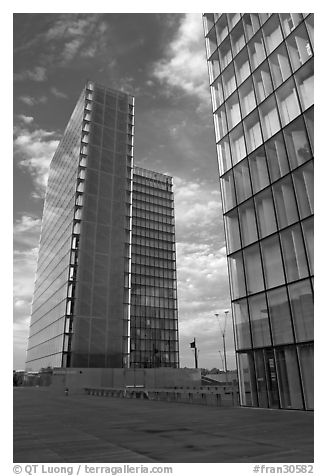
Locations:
{"points": [[154, 324], [81, 312], [261, 81]]}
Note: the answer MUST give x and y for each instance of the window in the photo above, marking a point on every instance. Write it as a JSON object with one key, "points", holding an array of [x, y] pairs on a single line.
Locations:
{"points": [[272, 262], [288, 103], [251, 24], [309, 21], [208, 21], [309, 121], [242, 181], [272, 33], [280, 317], [304, 81], [307, 367], [265, 213], [262, 82], [211, 42], [285, 202], [301, 299], [303, 182], [233, 111], [308, 234], [297, 143], [253, 270], [232, 231], [299, 47], [247, 98], [256, 50], [252, 131], [233, 18], [247, 223], [220, 122], [269, 117], [290, 21], [242, 66], [288, 378], [221, 28], [237, 37], [294, 254], [214, 68], [228, 191], [258, 168], [248, 392], [235, 263], [276, 157], [224, 157], [217, 93], [237, 143], [229, 81], [279, 66], [242, 326], [225, 53], [259, 320]]}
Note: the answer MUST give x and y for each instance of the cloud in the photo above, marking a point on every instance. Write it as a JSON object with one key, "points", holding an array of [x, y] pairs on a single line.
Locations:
{"points": [[184, 66], [33, 151], [26, 119], [32, 101], [58, 93], [37, 74]]}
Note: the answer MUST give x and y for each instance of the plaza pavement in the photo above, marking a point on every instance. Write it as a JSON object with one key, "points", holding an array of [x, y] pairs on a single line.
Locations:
{"points": [[79, 428]]}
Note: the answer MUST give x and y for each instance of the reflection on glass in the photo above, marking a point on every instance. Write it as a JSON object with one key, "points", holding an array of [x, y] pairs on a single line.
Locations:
{"points": [[228, 191], [280, 317], [248, 392], [253, 270], [256, 50], [233, 111], [247, 98], [237, 275], [242, 326], [276, 157], [290, 21], [272, 262], [252, 131], [288, 378], [247, 222], [309, 120], [288, 103], [303, 181], [269, 117], [307, 366], [304, 81], [242, 181], [308, 234], [224, 157], [258, 168], [262, 82], [301, 299], [294, 254], [272, 34], [237, 144], [251, 24], [261, 378], [299, 47], [229, 81], [232, 231], [242, 66], [297, 144], [279, 65], [265, 213], [285, 202]]}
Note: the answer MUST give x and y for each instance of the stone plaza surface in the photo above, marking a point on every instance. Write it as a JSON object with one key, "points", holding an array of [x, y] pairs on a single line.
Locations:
{"points": [[52, 428]]}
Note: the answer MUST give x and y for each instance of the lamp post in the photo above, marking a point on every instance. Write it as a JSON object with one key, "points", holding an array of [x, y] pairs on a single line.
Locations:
{"points": [[223, 331]]}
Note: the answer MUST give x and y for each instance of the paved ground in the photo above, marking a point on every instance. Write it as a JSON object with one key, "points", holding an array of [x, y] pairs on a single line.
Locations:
{"points": [[49, 428]]}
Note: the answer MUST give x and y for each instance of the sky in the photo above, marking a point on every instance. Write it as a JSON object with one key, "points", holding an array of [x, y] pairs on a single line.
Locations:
{"points": [[159, 58]]}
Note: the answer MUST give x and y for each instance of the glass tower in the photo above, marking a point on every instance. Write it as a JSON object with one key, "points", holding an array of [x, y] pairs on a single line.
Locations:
{"points": [[154, 327], [82, 298], [261, 82]]}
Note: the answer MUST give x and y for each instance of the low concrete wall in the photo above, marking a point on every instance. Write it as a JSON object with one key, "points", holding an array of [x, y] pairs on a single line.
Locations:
{"points": [[76, 379], [215, 398]]}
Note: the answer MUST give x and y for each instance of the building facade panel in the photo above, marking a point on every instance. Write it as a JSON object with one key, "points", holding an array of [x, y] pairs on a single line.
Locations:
{"points": [[261, 82]]}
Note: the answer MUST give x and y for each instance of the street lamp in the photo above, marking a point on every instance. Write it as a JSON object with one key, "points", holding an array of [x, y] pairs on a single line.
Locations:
{"points": [[223, 331]]}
